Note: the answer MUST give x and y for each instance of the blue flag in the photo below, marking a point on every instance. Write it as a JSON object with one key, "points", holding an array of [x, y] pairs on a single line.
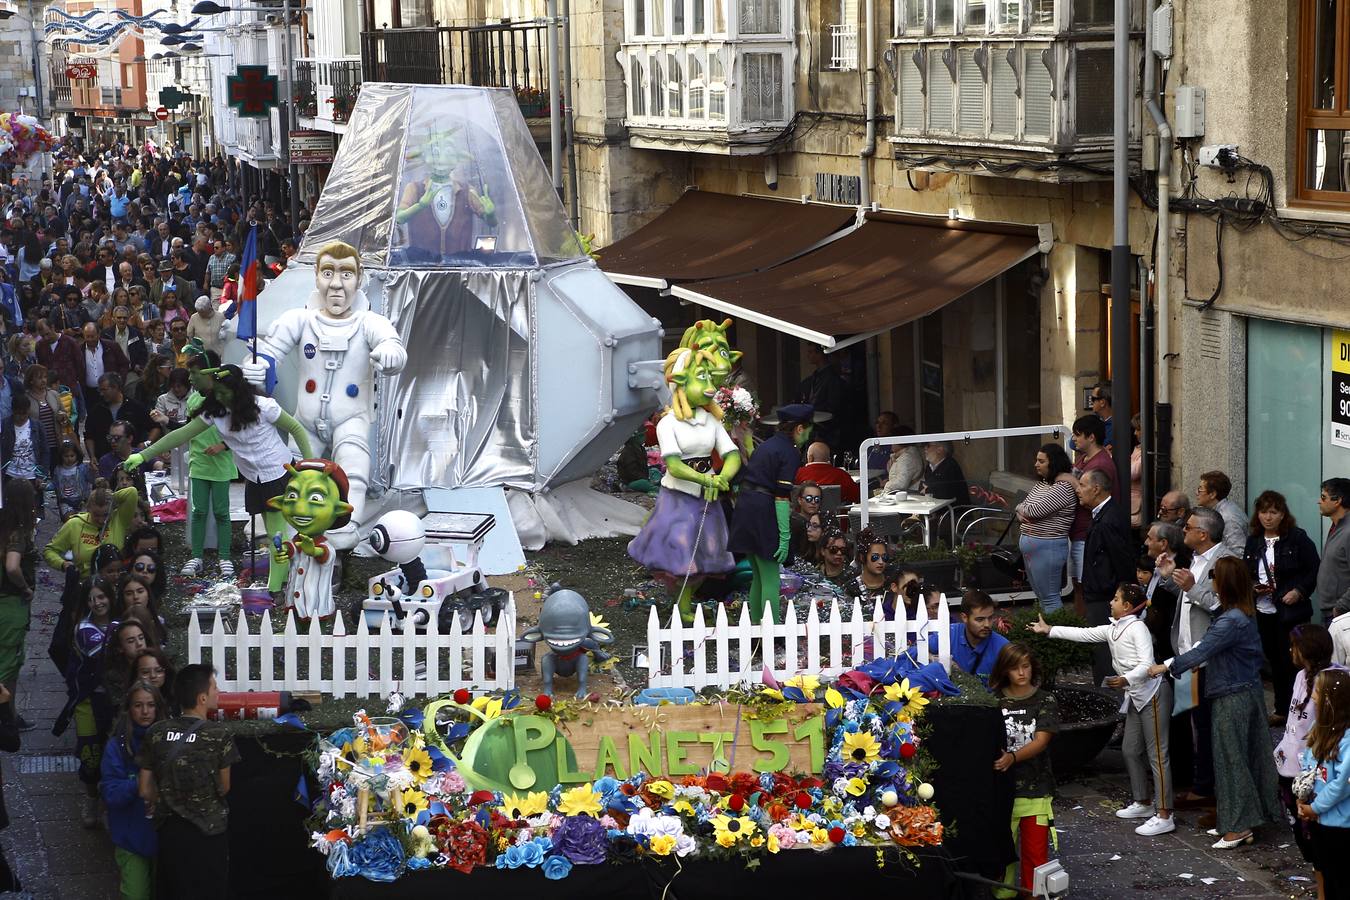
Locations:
{"points": [[248, 288]]}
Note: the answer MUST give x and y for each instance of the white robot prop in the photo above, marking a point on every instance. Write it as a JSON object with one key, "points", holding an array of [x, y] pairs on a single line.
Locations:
{"points": [[343, 345]]}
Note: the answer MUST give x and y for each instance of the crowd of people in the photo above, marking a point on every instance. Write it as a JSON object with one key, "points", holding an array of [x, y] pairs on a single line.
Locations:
{"points": [[117, 273]]}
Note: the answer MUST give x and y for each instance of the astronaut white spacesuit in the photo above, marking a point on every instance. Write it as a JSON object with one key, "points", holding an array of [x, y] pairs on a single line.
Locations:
{"points": [[342, 344]]}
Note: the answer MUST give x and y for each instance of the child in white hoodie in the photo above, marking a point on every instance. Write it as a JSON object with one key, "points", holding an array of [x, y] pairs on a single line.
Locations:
{"points": [[1147, 705]]}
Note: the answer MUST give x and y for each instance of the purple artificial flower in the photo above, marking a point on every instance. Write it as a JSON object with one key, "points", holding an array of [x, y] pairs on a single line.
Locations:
{"points": [[582, 840]]}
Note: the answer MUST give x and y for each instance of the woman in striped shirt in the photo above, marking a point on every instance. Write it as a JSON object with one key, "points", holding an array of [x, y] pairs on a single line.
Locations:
{"points": [[1045, 517]]}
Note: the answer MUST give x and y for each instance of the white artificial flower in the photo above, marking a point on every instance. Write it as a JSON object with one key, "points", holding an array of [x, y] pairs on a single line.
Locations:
{"points": [[685, 845], [401, 779], [883, 823]]}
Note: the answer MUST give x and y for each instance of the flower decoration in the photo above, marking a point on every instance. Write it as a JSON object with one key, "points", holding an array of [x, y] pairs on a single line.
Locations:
{"points": [[911, 699], [419, 764], [861, 747], [580, 801], [515, 807], [730, 829]]}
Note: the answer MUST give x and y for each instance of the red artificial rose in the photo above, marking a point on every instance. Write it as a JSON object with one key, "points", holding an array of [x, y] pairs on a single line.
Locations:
{"points": [[836, 835], [783, 784], [462, 696], [464, 845], [543, 703], [907, 750], [803, 800], [810, 782], [744, 783], [627, 789], [736, 803], [716, 781], [480, 797]]}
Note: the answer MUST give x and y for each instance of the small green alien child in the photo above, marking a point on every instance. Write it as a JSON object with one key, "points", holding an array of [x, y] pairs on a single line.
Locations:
{"points": [[315, 500]]}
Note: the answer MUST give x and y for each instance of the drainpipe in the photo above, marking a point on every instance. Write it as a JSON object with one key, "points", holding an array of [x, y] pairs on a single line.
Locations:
{"points": [[1120, 243], [1163, 434], [869, 149], [554, 100], [569, 115]]}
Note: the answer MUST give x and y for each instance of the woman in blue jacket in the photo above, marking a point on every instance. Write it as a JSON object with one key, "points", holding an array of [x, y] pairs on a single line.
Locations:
{"points": [[1328, 755], [131, 830], [1245, 781]]}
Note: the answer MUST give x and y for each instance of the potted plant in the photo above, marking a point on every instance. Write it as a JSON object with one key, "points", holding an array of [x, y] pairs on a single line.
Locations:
{"points": [[938, 566], [1088, 714]]}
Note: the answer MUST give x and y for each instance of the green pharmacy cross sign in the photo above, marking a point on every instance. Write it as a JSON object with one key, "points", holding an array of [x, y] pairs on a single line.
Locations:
{"points": [[252, 92], [172, 98]]}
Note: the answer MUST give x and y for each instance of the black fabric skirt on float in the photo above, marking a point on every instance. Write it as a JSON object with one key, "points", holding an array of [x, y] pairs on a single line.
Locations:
{"points": [[754, 525]]}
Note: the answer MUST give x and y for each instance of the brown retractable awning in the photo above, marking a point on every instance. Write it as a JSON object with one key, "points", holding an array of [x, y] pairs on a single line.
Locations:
{"points": [[705, 235], [893, 269]]}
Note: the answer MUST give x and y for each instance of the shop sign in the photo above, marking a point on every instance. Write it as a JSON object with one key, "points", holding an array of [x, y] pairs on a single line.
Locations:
{"points": [[1340, 388], [311, 148], [81, 71]]}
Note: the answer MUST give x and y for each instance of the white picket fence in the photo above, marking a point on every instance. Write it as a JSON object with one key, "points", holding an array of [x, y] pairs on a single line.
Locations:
{"points": [[254, 657], [698, 656]]}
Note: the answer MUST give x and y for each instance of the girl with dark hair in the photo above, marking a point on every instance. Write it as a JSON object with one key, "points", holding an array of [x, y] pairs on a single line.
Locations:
{"points": [[1148, 708], [18, 518], [146, 568], [1030, 721], [106, 520], [248, 425], [129, 826], [142, 539], [210, 470], [1328, 756], [152, 665], [1045, 518], [87, 701], [1246, 786], [73, 478], [1310, 650], [134, 594], [1282, 561]]}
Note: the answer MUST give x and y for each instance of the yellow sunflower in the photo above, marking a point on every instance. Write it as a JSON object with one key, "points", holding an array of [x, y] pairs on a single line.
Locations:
{"points": [[418, 762], [860, 747], [411, 802], [516, 807], [807, 684], [730, 829], [912, 697], [580, 801]]}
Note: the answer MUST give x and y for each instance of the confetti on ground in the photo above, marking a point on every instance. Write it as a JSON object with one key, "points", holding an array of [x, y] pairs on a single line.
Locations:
{"points": [[1187, 875], [1208, 880], [1299, 878], [1116, 857]]}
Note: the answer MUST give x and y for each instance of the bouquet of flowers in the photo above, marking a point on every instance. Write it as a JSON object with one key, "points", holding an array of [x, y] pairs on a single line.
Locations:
{"points": [[740, 408]]}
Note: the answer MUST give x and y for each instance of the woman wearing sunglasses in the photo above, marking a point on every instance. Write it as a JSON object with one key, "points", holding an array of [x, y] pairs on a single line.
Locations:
{"points": [[873, 554]]}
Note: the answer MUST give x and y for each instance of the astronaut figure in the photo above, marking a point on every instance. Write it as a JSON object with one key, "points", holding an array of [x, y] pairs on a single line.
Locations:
{"points": [[343, 344]]}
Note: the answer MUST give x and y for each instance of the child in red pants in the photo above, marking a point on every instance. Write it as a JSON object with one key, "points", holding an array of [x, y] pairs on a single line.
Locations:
{"points": [[1031, 719]]}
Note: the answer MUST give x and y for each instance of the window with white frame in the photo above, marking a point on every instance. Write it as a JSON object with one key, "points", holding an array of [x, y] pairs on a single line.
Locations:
{"points": [[657, 82], [717, 87], [697, 109], [762, 92], [843, 39], [674, 87], [637, 85], [761, 16]]}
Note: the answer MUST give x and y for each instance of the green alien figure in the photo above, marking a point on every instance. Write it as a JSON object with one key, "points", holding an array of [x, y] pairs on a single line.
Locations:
{"points": [[439, 211], [314, 501]]}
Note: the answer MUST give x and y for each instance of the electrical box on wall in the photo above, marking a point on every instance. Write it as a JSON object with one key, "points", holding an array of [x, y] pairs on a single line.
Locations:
{"points": [[1190, 114]]}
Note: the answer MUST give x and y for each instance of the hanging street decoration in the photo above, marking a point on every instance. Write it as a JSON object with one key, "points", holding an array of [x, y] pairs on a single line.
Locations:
{"points": [[252, 92]]}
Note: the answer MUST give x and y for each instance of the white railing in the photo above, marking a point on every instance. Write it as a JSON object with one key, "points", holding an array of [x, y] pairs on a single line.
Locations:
{"points": [[698, 656], [844, 48], [253, 657]]}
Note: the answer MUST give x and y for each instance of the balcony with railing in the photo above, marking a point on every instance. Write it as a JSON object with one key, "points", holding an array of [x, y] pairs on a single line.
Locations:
{"points": [[509, 54], [843, 48], [60, 94], [1026, 85], [326, 88]]}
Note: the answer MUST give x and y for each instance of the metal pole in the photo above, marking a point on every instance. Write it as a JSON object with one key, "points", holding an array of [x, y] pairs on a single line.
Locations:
{"points": [[569, 120], [292, 186], [554, 104], [1120, 248], [37, 60]]}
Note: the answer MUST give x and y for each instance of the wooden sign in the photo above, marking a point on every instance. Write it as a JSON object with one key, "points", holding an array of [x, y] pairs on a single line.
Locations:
{"points": [[81, 71], [687, 740]]}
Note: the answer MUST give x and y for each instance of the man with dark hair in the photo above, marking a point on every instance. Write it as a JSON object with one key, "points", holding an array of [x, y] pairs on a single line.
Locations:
{"points": [[1108, 557], [115, 405], [1212, 493], [1099, 398], [1333, 576], [975, 642], [1174, 508], [184, 779]]}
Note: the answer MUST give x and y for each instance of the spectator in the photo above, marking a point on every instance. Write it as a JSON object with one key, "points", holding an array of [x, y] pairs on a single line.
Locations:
{"points": [[205, 324], [942, 475], [185, 777], [1212, 493], [1136, 474], [1282, 561], [153, 667], [1333, 576], [129, 826], [834, 557], [24, 446], [1100, 400], [819, 469], [1174, 507], [807, 548], [46, 406], [879, 457], [116, 406], [218, 265], [1247, 788], [170, 410], [1310, 650], [1162, 538], [18, 579], [1045, 518], [73, 480], [178, 342], [1148, 703], [825, 390], [1328, 756], [1108, 557], [873, 555], [1031, 721], [904, 469], [86, 700], [127, 337], [121, 442], [10, 743], [975, 643], [99, 357], [106, 518], [59, 353]]}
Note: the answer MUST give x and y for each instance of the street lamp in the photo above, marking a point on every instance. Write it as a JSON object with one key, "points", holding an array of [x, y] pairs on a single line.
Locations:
{"points": [[211, 8]]}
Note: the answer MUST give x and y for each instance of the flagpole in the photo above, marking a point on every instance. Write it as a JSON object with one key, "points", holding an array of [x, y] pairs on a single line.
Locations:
{"points": [[254, 237]]}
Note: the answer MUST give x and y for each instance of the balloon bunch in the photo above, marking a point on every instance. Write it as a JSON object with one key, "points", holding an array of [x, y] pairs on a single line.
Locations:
{"points": [[22, 136]]}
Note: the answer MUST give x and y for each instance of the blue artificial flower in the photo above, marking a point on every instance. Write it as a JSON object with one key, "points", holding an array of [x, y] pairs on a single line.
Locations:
{"points": [[378, 856], [418, 862], [605, 785], [439, 761], [412, 716], [512, 858], [557, 867], [511, 699], [766, 782], [531, 854], [849, 839], [339, 861], [543, 843]]}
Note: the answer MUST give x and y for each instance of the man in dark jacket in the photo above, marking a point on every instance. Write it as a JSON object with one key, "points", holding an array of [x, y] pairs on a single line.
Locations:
{"points": [[1108, 558], [128, 337]]}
